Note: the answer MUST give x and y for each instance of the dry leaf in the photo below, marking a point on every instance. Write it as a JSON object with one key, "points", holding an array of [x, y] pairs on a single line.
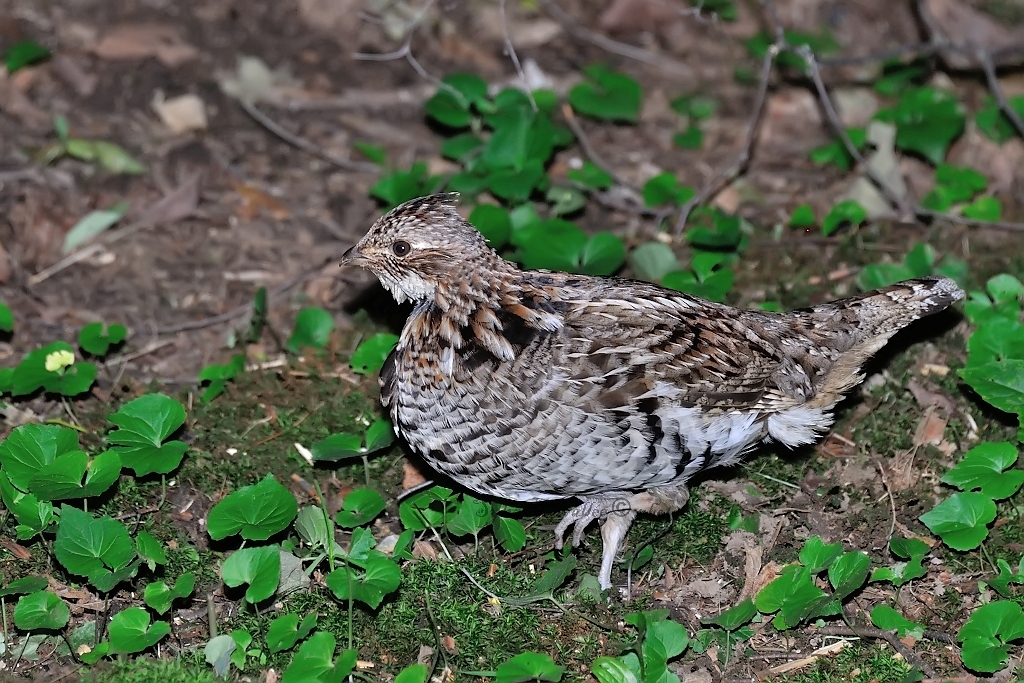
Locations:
{"points": [[255, 201], [411, 476], [449, 645], [139, 41], [930, 429], [182, 113]]}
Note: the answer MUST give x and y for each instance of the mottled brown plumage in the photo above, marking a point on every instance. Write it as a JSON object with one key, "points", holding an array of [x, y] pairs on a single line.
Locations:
{"points": [[536, 385]]}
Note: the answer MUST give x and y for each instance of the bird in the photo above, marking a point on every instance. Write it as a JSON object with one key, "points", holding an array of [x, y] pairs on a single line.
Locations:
{"points": [[533, 385]]}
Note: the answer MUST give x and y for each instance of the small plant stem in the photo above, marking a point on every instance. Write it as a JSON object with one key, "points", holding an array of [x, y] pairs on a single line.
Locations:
{"points": [[163, 491], [211, 614], [65, 423], [3, 612], [366, 468], [991, 562]]}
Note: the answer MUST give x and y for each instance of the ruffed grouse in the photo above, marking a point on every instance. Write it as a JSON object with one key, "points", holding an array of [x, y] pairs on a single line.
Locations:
{"points": [[536, 385]]}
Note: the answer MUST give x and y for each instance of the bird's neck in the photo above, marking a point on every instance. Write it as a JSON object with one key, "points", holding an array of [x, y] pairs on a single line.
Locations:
{"points": [[480, 308]]}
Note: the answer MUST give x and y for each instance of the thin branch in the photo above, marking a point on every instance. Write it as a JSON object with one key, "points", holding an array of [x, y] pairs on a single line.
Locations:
{"points": [[303, 144], [985, 59], [730, 173], [909, 655], [510, 50], [573, 27], [588, 149], [906, 210]]}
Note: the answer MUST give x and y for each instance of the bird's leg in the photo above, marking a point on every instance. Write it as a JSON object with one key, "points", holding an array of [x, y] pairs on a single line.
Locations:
{"points": [[616, 515]]}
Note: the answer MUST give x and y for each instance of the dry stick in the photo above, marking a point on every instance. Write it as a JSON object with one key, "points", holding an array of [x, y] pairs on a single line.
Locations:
{"points": [[731, 172], [510, 50], [588, 149], [865, 632], [302, 143], [985, 58], [907, 212], [572, 26], [892, 501]]}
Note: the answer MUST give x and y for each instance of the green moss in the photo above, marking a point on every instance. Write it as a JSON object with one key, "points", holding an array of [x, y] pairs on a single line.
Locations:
{"points": [[188, 669]]}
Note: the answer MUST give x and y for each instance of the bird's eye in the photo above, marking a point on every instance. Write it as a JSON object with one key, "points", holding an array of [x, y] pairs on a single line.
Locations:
{"points": [[401, 248]]}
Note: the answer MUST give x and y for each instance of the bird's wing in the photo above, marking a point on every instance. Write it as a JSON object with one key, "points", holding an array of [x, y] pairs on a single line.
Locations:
{"points": [[645, 340]]}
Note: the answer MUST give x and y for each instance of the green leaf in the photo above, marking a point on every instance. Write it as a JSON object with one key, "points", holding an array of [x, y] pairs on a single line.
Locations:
{"points": [[984, 209], [32, 374], [848, 573], [987, 634], [564, 200], [927, 121], [697, 107], [983, 468], [1001, 298], [286, 630], [150, 549], [375, 153], [143, 425], [664, 188], [73, 475], [218, 653], [419, 511], [6, 319], [509, 533], [792, 594], [95, 547], [32, 447], [607, 94], [603, 254], [256, 512], [552, 579], [91, 225], [400, 186], [887, 619], [613, 670], [24, 53], [314, 662], [590, 175], [493, 222], [653, 261], [34, 516], [258, 567], [337, 447], [471, 516], [553, 244], [803, 217], [97, 338], [529, 666], [817, 555], [313, 327], [26, 584], [1006, 576], [1000, 383], [414, 673], [961, 520], [379, 435], [731, 619], [448, 109], [41, 611], [462, 146], [516, 185], [835, 152], [370, 355], [130, 631], [360, 507], [995, 124], [380, 576], [691, 138], [897, 76], [508, 145], [159, 596], [847, 211]]}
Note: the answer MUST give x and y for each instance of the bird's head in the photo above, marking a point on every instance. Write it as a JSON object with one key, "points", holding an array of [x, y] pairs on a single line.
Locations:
{"points": [[420, 245]]}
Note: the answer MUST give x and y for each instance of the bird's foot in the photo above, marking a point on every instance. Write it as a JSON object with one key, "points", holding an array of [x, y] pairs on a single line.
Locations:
{"points": [[590, 510]]}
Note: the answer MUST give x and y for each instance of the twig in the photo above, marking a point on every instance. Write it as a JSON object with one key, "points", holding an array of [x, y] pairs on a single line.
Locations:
{"points": [[892, 501], [302, 143], [588, 150], [572, 26], [510, 50], [984, 57], [906, 210], [729, 173], [866, 632]]}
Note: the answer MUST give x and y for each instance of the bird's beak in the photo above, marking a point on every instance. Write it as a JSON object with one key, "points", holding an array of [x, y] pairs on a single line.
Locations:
{"points": [[352, 257]]}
